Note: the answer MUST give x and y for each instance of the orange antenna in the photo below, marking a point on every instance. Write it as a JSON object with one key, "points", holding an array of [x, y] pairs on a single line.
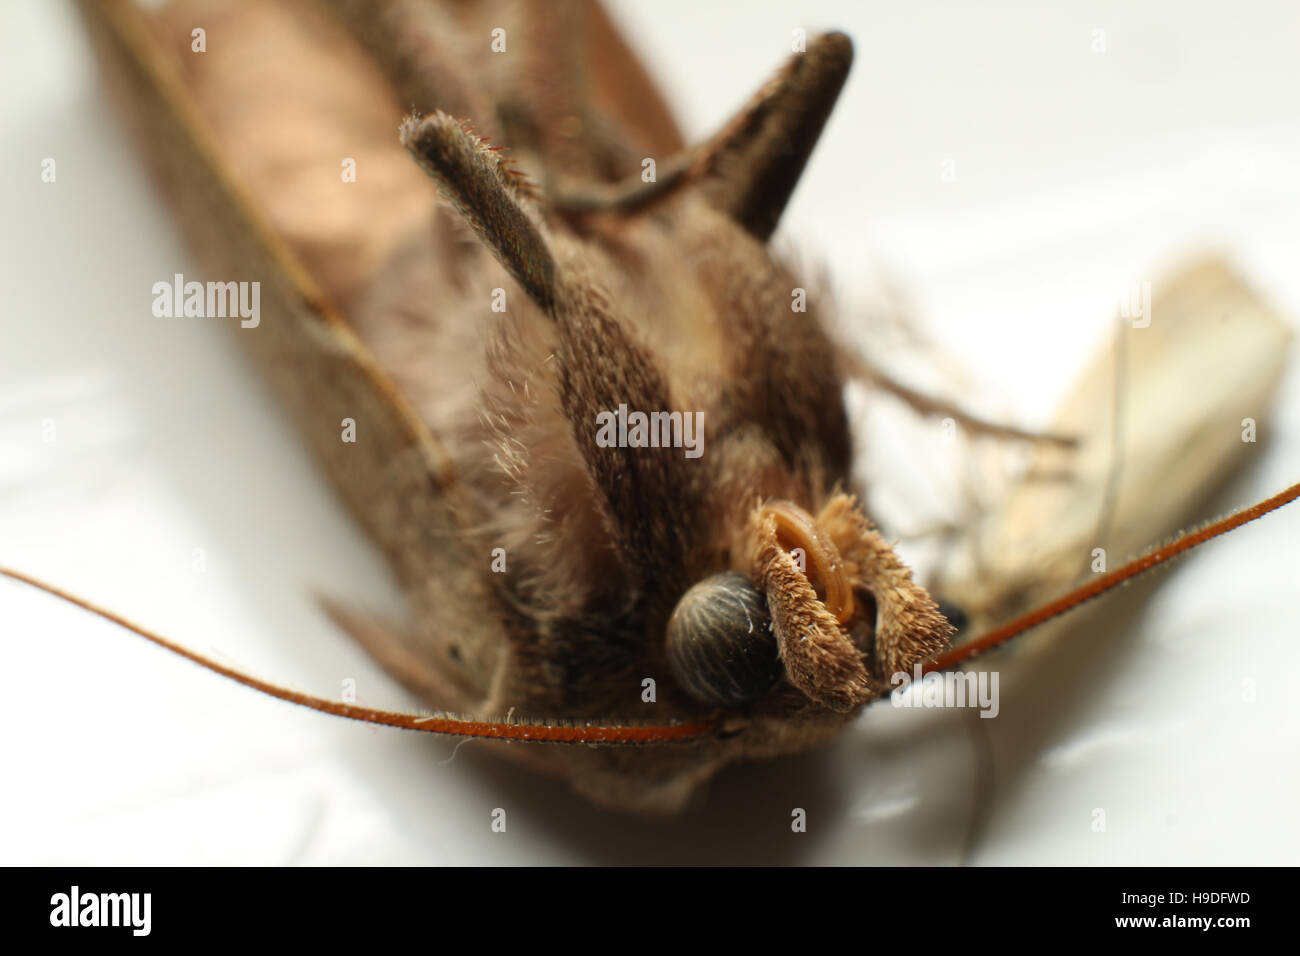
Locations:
{"points": [[965, 651], [564, 732], [551, 731]]}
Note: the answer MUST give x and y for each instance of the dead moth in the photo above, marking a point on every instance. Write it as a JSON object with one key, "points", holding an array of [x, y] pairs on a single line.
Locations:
{"points": [[479, 429]]}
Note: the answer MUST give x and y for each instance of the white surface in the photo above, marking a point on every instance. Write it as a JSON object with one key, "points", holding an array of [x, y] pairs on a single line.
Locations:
{"points": [[1076, 172]]}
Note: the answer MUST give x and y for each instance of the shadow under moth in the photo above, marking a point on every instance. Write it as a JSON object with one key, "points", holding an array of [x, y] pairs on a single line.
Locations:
{"points": [[609, 463]]}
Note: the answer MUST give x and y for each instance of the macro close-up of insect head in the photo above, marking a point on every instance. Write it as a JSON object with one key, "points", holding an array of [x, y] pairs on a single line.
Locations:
{"points": [[827, 433]]}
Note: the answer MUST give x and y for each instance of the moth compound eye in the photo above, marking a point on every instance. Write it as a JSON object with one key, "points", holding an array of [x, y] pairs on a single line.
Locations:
{"points": [[720, 642]]}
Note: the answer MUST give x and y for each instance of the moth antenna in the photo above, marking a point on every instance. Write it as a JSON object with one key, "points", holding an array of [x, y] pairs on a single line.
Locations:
{"points": [[564, 732], [1152, 559]]}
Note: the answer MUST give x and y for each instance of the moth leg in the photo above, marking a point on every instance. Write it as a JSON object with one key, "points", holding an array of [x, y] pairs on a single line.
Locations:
{"points": [[749, 169], [757, 159], [489, 194], [626, 197], [648, 491], [600, 364], [858, 368]]}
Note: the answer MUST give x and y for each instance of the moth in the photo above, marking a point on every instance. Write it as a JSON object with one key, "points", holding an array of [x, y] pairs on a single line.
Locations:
{"points": [[601, 545]]}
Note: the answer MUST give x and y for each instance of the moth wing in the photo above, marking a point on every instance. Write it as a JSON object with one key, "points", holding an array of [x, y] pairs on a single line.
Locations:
{"points": [[1132, 481], [397, 477]]}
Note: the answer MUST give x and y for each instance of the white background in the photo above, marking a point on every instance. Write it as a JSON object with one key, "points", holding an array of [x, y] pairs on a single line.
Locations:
{"points": [[1075, 172]]}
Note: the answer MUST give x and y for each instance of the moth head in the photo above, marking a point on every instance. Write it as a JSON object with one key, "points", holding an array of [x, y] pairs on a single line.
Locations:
{"points": [[824, 605], [754, 580]]}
